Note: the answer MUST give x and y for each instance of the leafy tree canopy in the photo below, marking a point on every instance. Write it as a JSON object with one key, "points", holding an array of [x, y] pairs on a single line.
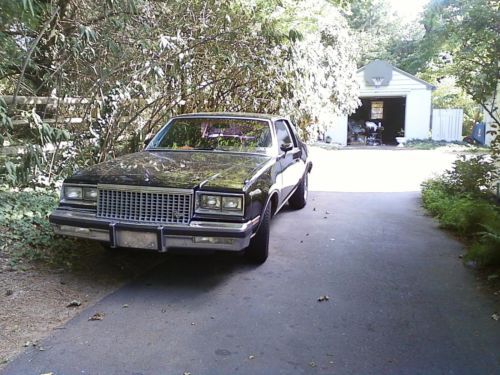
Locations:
{"points": [[381, 34], [134, 63], [462, 40]]}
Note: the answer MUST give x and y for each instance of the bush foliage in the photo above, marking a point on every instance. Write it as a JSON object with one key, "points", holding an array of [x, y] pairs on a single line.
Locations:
{"points": [[113, 72], [462, 201], [26, 232]]}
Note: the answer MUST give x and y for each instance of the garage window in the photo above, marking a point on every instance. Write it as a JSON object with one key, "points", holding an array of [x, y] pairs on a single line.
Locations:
{"points": [[377, 110]]}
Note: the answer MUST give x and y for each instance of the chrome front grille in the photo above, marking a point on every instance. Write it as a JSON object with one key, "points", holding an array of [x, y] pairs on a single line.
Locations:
{"points": [[144, 205]]}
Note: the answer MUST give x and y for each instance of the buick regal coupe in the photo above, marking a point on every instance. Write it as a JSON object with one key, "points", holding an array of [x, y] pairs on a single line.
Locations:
{"points": [[205, 181]]}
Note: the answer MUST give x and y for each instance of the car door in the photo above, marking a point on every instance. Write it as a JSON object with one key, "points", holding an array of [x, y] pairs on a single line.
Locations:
{"points": [[299, 166], [290, 158]]}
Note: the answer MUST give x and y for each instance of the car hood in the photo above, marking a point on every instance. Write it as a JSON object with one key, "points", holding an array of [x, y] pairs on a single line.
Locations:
{"points": [[175, 169]]}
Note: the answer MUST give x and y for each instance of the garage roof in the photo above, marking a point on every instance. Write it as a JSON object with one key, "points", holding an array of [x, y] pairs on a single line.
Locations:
{"points": [[377, 62]]}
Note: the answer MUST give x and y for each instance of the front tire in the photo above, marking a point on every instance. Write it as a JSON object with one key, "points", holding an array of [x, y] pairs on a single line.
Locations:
{"points": [[258, 250], [299, 198]]}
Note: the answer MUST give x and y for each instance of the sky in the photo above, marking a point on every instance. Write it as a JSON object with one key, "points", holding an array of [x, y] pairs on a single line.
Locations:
{"points": [[408, 9]]}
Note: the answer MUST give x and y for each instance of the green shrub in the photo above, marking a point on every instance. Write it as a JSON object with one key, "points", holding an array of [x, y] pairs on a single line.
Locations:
{"points": [[474, 175], [487, 251], [462, 205], [467, 215], [26, 232], [484, 254], [471, 175], [435, 197]]}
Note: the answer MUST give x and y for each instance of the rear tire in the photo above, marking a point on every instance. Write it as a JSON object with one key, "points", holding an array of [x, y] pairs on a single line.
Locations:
{"points": [[299, 198], [258, 250]]}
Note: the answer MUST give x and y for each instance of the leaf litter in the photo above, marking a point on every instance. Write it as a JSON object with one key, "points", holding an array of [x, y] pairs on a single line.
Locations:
{"points": [[74, 303], [97, 316]]}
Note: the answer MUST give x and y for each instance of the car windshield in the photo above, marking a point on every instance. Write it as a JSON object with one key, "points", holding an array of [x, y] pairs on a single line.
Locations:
{"points": [[224, 134]]}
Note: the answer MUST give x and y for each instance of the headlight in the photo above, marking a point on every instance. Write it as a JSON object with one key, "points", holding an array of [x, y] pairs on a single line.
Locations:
{"points": [[219, 203], [90, 193], [210, 202], [73, 192], [232, 203], [80, 193]]}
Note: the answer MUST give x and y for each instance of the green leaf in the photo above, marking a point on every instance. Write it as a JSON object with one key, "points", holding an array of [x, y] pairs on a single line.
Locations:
{"points": [[28, 5]]}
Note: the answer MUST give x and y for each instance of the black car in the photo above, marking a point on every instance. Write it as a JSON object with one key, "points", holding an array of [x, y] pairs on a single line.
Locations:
{"points": [[205, 180]]}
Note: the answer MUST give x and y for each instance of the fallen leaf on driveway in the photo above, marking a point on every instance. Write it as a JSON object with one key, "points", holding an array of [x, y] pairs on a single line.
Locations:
{"points": [[312, 364], [125, 306], [97, 316], [186, 373], [251, 357], [323, 298], [74, 303], [495, 316], [47, 373]]}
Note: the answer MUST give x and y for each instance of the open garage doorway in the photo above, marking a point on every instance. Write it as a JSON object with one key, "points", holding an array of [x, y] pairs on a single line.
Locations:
{"points": [[387, 118]]}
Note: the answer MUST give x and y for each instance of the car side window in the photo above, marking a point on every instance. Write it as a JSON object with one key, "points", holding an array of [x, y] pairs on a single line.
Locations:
{"points": [[282, 133], [293, 132]]}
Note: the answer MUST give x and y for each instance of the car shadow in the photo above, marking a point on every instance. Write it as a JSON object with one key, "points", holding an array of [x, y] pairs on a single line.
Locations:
{"points": [[189, 268], [195, 268]]}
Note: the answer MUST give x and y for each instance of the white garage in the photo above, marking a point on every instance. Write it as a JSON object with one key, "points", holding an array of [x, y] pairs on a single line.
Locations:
{"points": [[394, 102]]}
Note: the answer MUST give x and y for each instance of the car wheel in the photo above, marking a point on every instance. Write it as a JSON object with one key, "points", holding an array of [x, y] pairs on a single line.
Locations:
{"points": [[299, 199], [258, 250]]}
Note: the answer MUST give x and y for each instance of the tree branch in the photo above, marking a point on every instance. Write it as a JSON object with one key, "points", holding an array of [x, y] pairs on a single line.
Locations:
{"points": [[17, 33], [30, 52]]}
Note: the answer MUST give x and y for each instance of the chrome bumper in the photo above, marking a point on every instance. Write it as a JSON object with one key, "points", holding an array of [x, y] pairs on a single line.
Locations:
{"points": [[197, 235]]}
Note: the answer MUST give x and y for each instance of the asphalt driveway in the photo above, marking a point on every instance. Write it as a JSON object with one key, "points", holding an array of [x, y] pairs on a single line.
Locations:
{"points": [[400, 301]]}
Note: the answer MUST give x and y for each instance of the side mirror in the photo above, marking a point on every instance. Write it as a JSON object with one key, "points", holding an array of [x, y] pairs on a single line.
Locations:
{"points": [[286, 147]]}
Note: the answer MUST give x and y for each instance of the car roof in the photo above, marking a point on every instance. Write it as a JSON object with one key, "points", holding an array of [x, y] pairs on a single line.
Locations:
{"points": [[262, 116]]}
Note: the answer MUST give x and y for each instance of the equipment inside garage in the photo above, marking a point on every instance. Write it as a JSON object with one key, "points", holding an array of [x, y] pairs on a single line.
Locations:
{"points": [[377, 121], [392, 102]]}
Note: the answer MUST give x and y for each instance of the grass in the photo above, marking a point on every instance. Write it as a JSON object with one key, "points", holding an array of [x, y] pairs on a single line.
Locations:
{"points": [[327, 146], [429, 144]]}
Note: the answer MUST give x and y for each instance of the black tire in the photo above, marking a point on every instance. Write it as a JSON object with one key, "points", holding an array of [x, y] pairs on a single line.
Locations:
{"points": [[299, 198], [258, 250]]}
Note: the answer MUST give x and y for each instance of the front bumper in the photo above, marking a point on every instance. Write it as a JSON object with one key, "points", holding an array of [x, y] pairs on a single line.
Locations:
{"points": [[197, 235]]}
